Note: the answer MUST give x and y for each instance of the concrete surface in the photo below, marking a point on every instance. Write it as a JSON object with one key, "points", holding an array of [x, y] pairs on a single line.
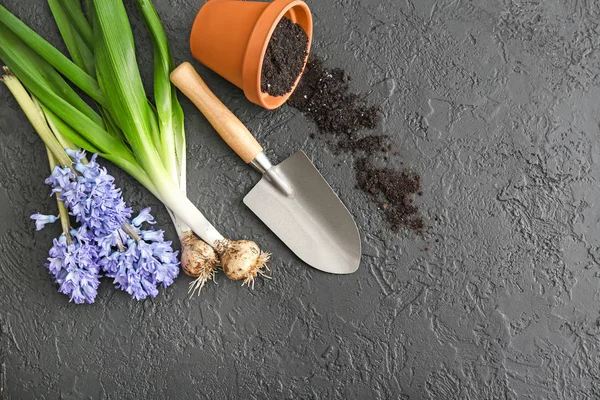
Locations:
{"points": [[495, 103]]}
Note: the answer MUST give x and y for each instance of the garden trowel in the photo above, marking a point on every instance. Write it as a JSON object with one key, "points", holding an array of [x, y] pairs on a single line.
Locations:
{"points": [[292, 198]]}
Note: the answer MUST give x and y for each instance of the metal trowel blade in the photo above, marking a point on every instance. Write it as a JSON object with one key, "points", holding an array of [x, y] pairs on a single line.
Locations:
{"points": [[313, 222]]}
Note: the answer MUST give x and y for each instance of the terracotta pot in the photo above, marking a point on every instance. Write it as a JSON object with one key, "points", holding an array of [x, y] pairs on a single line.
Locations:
{"points": [[231, 37]]}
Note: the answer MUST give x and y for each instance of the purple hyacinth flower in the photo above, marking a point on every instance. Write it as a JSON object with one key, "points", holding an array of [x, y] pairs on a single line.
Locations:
{"points": [[138, 271], [75, 269], [129, 275], [41, 220], [60, 177], [145, 264], [143, 216], [138, 264], [91, 197], [76, 155], [153, 236]]}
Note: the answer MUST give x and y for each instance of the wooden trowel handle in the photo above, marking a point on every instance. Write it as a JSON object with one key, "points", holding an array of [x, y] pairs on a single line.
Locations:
{"points": [[225, 123]]}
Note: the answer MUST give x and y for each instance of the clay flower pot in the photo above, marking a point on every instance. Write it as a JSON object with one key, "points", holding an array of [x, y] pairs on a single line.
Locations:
{"points": [[231, 37]]}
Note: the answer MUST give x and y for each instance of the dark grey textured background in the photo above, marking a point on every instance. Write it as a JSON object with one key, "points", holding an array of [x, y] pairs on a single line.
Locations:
{"points": [[495, 103]]}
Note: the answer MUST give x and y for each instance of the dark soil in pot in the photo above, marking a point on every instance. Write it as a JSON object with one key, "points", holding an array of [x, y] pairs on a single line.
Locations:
{"points": [[283, 62]]}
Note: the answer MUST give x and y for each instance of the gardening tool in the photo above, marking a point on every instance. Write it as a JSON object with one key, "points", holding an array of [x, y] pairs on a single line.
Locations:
{"points": [[292, 198], [231, 37]]}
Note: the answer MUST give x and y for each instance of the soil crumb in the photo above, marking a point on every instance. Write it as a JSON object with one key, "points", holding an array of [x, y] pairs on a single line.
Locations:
{"points": [[325, 97], [284, 58]]}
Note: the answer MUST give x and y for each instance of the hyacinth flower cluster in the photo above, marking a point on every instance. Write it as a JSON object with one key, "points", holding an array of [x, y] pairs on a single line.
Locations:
{"points": [[107, 242]]}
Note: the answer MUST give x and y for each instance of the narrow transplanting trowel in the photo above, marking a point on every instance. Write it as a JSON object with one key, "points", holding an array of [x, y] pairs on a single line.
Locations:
{"points": [[292, 198]]}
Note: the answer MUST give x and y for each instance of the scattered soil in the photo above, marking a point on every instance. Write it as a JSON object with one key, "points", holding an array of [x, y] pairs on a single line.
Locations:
{"points": [[284, 59], [324, 96], [394, 190]]}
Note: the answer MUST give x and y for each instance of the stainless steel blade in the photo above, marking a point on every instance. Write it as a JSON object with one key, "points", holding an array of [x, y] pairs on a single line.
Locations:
{"points": [[313, 223]]}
